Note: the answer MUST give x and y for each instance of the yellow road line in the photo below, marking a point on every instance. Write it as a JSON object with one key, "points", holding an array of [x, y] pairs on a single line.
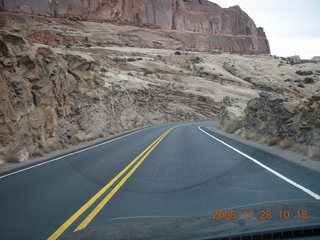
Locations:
{"points": [[99, 207], [133, 217], [77, 214]]}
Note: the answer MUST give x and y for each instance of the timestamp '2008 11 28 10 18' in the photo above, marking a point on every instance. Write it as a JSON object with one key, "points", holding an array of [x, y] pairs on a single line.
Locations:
{"points": [[261, 214]]}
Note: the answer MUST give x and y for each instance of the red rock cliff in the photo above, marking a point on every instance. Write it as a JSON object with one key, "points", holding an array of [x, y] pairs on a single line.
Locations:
{"points": [[183, 15]]}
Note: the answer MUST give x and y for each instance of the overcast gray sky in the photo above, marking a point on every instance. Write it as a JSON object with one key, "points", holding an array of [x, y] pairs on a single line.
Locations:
{"points": [[292, 26]]}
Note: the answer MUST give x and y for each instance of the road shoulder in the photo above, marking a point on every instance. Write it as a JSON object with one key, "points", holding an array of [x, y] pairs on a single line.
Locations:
{"points": [[285, 154]]}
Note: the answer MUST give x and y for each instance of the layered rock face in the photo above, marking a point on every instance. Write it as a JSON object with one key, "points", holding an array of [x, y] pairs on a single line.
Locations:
{"points": [[280, 120], [51, 97], [228, 29]]}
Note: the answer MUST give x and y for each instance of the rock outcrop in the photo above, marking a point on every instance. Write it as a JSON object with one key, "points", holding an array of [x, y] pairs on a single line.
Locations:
{"points": [[283, 121], [51, 97], [222, 29]]}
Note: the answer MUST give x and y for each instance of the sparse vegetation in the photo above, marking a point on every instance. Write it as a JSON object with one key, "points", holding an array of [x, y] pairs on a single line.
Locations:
{"points": [[196, 59], [11, 158], [247, 79], [54, 147], [308, 80], [117, 59], [131, 59], [286, 143], [147, 72], [272, 141], [304, 73], [177, 53], [75, 139], [37, 153]]}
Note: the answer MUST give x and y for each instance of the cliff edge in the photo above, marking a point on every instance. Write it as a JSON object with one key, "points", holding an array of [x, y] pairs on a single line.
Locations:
{"points": [[222, 29]]}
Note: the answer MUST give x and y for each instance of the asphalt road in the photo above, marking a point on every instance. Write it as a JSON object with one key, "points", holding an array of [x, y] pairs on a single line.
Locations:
{"points": [[184, 170]]}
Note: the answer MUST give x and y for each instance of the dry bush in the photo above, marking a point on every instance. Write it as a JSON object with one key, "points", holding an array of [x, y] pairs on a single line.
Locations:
{"points": [[45, 150], [131, 59], [75, 139], [286, 143], [272, 141], [37, 153], [101, 135], [118, 59], [11, 157], [53, 147]]}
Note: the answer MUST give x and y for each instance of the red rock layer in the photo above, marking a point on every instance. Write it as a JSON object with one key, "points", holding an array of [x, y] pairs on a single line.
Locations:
{"points": [[183, 15]]}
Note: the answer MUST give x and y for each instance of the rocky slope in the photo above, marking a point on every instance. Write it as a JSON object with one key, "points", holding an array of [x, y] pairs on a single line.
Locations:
{"points": [[64, 81], [221, 29], [51, 97], [278, 120]]}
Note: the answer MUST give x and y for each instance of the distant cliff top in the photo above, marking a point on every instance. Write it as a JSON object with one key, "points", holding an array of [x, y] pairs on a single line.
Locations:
{"points": [[182, 15]]}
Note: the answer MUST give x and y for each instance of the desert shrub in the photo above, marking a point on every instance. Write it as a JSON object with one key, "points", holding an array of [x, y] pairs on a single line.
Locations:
{"points": [[75, 139], [104, 70], [247, 79], [11, 158], [272, 141], [45, 150], [177, 53], [304, 73], [147, 72], [286, 143], [308, 80], [301, 85], [96, 63], [196, 59], [117, 59], [131, 59], [37, 153], [53, 146], [101, 135], [139, 58]]}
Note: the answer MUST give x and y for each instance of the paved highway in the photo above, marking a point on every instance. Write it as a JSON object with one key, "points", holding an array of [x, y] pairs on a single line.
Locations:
{"points": [[165, 170]]}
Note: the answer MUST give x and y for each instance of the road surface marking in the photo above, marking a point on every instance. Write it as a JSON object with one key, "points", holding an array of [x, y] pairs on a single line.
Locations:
{"points": [[99, 207], [70, 154], [77, 214], [306, 190]]}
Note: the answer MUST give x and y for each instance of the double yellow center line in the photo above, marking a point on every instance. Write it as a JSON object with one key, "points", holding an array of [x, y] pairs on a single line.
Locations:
{"points": [[137, 161]]}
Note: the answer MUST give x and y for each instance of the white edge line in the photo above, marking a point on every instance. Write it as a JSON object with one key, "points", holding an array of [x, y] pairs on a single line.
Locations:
{"points": [[70, 154], [306, 190]]}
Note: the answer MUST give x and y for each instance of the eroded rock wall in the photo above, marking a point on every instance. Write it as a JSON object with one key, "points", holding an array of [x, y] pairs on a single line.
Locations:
{"points": [[52, 97], [220, 24]]}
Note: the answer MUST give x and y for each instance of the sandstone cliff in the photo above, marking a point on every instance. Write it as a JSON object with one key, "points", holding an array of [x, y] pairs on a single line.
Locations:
{"points": [[52, 97], [222, 29]]}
